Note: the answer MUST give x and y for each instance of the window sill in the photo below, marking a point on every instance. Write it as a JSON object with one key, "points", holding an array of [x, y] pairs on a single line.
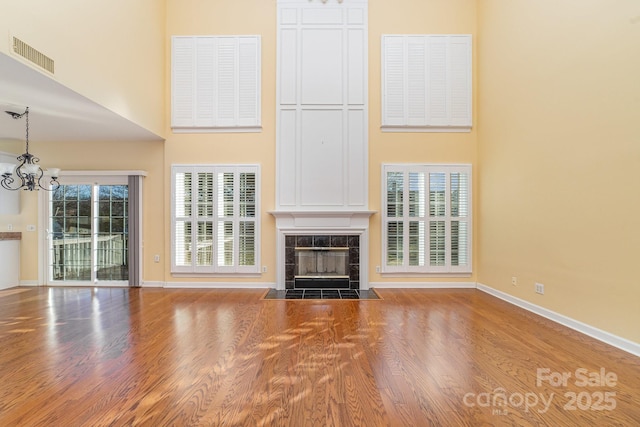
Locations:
{"points": [[222, 275], [434, 129], [423, 274], [227, 129]]}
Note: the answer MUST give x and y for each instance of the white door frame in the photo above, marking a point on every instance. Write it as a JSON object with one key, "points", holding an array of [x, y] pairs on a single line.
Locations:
{"points": [[71, 178]]}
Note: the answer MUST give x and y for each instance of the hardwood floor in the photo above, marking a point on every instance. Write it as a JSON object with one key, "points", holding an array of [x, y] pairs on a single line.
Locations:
{"points": [[160, 357]]}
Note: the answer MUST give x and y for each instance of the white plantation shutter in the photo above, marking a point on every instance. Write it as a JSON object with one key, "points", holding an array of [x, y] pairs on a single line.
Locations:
{"points": [[416, 81], [426, 83], [248, 81], [394, 213], [182, 191], [215, 83], [205, 194], [204, 245], [214, 221], [204, 216], [427, 219], [438, 81], [460, 199], [460, 77], [247, 219], [204, 63], [393, 81], [417, 210], [224, 216], [226, 77], [183, 84]]}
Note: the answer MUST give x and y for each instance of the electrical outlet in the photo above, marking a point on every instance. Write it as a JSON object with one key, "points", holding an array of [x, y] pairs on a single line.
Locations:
{"points": [[156, 258], [514, 281], [264, 268], [9, 227], [539, 288], [377, 269]]}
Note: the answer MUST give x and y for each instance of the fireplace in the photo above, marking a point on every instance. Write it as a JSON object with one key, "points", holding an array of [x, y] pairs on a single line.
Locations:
{"points": [[345, 229], [322, 262]]}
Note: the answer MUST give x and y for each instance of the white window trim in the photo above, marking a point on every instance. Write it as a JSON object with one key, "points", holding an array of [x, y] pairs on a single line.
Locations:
{"points": [[427, 270], [213, 270]]}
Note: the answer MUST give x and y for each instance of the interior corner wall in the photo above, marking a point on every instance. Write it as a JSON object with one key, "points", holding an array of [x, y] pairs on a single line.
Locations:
{"points": [[559, 156], [111, 52]]}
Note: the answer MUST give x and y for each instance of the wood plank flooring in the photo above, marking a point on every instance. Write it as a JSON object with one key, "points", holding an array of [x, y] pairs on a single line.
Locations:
{"points": [[166, 357]]}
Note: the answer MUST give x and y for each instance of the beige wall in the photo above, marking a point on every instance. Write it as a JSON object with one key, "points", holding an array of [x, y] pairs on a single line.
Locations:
{"points": [[559, 156], [110, 51]]}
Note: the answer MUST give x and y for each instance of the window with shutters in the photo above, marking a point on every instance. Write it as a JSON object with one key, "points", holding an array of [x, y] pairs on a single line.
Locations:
{"points": [[215, 223], [426, 83], [215, 83], [426, 218]]}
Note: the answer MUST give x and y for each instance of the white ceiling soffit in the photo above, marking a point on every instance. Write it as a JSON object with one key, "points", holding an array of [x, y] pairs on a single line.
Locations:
{"points": [[56, 113]]}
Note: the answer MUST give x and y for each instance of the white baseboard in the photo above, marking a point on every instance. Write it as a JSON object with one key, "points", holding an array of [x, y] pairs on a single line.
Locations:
{"points": [[29, 283], [423, 285], [150, 284], [600, 335], [72, 284], [219, 285]]}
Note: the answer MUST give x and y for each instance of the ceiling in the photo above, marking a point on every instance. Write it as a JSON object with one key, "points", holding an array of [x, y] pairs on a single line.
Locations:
{"points": [[56, 113]]}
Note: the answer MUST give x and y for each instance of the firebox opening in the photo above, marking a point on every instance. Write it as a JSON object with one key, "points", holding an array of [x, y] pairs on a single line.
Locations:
{"points": [[322, 267]]}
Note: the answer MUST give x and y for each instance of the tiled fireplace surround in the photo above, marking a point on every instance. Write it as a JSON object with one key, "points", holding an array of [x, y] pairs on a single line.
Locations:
{"points": [[322, 241], [329, 228]]}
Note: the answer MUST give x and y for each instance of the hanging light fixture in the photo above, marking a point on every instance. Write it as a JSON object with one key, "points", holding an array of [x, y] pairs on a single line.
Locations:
{"points": [[28, 172]]}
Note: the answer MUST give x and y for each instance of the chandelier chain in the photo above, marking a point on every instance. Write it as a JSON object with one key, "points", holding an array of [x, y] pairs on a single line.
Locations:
{"points": [[27, 135]]}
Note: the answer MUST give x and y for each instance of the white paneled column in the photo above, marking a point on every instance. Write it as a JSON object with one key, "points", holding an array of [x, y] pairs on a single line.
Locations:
{"points": [[322, 105]]}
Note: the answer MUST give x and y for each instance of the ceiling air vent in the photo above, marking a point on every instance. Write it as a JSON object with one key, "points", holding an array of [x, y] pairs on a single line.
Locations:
{"points": [[33, 55]]}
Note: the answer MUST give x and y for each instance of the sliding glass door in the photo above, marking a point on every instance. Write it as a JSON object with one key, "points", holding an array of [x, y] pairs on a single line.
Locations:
{"points": [[88, 234]]}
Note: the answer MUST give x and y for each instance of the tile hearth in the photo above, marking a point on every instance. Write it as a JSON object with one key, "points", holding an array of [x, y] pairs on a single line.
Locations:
{"points": [[311, 294]]}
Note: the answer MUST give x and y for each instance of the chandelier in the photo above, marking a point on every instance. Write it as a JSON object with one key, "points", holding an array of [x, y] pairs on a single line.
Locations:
{"points": [[28, 173]]}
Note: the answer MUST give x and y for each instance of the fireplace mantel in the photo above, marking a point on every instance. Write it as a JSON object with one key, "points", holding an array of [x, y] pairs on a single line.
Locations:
{"points": [[319, 222]]}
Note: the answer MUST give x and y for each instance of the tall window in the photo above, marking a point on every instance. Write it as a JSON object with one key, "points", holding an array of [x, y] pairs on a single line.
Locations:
{"points": [[427, 218], [215, 224], [89, 233]]}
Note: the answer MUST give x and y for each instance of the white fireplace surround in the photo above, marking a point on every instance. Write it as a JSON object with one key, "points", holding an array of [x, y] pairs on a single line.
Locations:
{"points": [[322, 223]]}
